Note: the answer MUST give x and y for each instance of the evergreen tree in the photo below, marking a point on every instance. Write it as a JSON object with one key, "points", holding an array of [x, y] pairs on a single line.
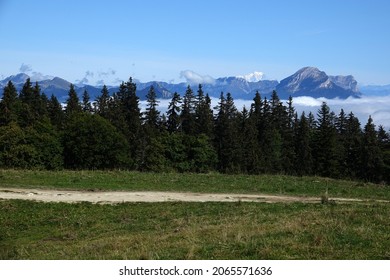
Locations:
{"points": [[151, 148], [173, 113], [73, 105], [251, 154], [256, 113], [227, 143], [326, 161], [352, 147], [340, 125], [26, 115], [152, 114], [102, 103], [312, 121], [118, 110], [384, 144], [27, 93], [55, 112], [91, 142], [38, 105], [187, 113], [203, 114], [86, 106], [372, 163], [15, 151], [129, 103], [304, 160], [8, 104]]}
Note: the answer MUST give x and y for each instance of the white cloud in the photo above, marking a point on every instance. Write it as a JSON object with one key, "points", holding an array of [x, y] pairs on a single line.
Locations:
{"points": [[85, 79], [37, 76], [374, 106], [193, 78], [25, 68], [34, 76]]}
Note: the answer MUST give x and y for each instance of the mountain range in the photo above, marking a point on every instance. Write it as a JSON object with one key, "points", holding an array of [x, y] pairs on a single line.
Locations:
{"points": [[308, 81]]}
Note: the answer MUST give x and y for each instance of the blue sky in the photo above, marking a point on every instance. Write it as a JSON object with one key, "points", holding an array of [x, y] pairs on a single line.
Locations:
{"points": [[108, 41]]}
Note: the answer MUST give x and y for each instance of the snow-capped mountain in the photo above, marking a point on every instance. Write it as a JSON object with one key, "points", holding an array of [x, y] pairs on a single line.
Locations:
{"points": [[308, 81], [253, 77]]}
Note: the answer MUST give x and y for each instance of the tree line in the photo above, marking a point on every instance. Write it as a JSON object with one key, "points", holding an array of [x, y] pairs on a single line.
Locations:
{"points": [[112, 132]]}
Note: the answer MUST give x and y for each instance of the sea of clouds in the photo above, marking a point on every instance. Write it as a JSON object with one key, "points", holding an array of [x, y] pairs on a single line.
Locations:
{"points": [[378, 107]]}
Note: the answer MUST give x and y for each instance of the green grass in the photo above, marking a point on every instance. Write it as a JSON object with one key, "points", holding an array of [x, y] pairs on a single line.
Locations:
{"points": [[35, 230], [178, 230], [211, 183]]}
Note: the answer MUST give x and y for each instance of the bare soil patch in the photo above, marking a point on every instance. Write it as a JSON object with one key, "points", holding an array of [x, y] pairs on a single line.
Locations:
{"points": [[122, 196]]}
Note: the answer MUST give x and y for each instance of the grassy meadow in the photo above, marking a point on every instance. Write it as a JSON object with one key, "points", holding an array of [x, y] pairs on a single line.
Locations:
{"points": [[188, 182], [178, 230]]}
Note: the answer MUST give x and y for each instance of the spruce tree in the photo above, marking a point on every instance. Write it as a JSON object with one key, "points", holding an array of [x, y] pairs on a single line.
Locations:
{"points": [[152, 115], [227, 141], [73, 105], [251, 154], [8, 104], [303, 160], [188, 112], [325, 156], [55, 112], [372, 163], [129, 102], [203, 114], [87, 106], [352, 147], [27, 92], [102, 103], [173, 113], [384, 144]]}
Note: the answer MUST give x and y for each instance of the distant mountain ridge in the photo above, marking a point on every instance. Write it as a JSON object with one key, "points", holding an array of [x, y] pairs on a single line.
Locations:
{"points": [[308, 81]]}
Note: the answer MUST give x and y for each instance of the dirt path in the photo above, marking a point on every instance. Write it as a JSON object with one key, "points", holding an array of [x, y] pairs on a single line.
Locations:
{"points": [[122, 196]]}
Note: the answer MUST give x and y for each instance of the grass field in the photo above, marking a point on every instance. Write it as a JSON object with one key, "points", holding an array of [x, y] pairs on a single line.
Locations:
{"points": [[209, 183], [178, 230], [31, 230]]}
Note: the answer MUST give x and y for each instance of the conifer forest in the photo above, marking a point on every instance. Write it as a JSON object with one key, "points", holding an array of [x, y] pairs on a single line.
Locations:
{"points": [[111, 132]]}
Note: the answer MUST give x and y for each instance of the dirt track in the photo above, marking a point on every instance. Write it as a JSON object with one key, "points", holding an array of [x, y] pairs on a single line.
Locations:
{"points": [[121, 196]]}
